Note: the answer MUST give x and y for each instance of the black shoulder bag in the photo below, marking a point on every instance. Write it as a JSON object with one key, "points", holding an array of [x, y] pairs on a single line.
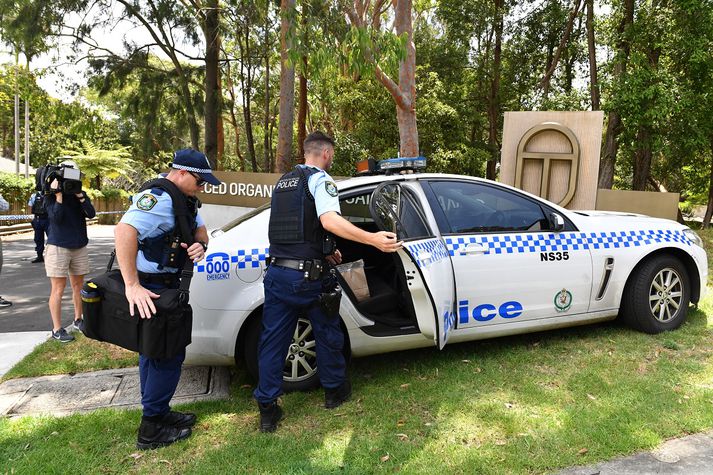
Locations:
{"points": [[106, 309]]}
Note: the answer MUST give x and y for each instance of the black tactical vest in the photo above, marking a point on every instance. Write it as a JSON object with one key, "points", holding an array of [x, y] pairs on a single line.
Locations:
{"points": [[165, 249], [295, 231], [38, 207]]}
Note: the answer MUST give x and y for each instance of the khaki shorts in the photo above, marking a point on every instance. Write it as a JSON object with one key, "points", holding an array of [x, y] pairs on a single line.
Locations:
{"points": [[60, 261]]}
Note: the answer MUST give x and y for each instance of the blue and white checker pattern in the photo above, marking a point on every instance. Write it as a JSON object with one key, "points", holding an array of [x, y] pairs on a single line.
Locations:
{"points": [[245, 258], [427, 252], [527, 243]]}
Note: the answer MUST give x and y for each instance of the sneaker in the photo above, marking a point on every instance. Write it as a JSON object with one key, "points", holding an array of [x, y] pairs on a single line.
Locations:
{"points": [[62, 336], [270, 415], [78, 324], [37, 259], [5, 303], [153, 435], [337, 396], [180, 420]]}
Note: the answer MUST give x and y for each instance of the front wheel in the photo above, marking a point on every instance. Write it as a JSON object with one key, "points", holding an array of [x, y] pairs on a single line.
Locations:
{"points": [[300, 371], [657, 296]]}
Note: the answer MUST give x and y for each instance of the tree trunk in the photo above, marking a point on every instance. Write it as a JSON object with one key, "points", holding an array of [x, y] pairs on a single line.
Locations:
{"points": [[642, 158], [494, 99], [212, 86], [267, 143], [406, 112], [236, 128], [302, 106], [545, 81], [709, 208], [614, 124], [27, 139], [287, 88], [17, 114], [591, 45], [246, 83], [302, 114]]}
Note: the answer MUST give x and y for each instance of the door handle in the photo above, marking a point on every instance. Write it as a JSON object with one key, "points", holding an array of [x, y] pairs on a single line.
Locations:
{"points": [[473, 249]]}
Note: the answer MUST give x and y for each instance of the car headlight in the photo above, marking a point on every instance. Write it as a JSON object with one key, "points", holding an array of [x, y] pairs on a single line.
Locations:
{"points": [[693, 237]]}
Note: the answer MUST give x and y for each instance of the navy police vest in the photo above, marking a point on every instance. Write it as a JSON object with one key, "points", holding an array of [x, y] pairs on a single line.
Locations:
{"points": [[38, 206], [165, 249], [295, 231]]}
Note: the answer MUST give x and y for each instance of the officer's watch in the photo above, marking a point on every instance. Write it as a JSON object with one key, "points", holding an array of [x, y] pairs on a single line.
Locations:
{"points": [[204, 244]]}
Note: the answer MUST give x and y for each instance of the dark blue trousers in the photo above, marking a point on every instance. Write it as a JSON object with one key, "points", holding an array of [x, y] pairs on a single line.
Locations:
{"points": [[40, 225], [287, 296], [159, 379]]}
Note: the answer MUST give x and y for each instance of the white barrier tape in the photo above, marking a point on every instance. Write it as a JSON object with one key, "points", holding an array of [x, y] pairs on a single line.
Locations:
{"points": [[21, 217]]}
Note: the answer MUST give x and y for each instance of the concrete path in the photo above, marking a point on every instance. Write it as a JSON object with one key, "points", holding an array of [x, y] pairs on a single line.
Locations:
{"points": [[14, 347], [691, 455], [120, 389]]}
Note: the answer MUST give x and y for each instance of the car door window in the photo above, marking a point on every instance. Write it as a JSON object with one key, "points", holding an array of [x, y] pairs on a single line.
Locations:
{"points": [[395, 209], [478, 208]]}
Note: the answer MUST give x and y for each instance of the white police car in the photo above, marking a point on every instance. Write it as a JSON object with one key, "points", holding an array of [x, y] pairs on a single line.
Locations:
{"points": [[480, 259]]}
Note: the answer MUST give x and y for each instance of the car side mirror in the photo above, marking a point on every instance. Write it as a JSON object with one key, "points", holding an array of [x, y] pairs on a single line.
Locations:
{"points": [[556, 222]]}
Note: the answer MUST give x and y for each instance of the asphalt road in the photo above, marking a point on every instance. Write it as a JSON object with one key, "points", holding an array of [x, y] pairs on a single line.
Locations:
{"points": [[26, 285]]}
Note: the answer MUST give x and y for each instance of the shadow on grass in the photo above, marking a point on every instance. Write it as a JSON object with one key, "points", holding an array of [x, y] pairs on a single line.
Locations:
{"points": [[530, 403]]}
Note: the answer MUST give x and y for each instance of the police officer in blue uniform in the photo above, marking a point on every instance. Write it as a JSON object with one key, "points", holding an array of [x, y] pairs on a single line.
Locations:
{"points": [[143, 237], [304, 216], [40, 223]]}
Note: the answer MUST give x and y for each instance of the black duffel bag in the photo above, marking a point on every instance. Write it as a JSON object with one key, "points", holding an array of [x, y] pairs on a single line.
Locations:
{"points": [[107, 318]]}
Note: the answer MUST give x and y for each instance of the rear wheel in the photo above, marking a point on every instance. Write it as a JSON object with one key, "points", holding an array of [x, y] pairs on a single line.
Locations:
{"points": [[657, 296], [300, 371]]}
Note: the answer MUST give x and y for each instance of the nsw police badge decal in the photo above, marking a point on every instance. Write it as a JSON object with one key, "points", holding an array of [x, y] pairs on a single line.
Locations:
{"points": [[146, 202], [331, 188]]}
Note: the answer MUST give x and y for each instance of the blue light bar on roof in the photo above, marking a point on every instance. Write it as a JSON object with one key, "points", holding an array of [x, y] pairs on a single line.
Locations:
{"points": [[395, 165]]}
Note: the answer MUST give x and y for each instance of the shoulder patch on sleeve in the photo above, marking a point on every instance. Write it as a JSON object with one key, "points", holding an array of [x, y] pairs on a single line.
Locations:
{"points": [[331, 188], [146, 202]]}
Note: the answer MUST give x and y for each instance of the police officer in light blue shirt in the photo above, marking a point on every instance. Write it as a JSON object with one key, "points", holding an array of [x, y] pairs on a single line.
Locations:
{"points": [[304, 216], [148, 263]]}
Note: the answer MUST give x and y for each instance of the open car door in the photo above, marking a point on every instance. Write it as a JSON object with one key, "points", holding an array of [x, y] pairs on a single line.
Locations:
{"points": [[424, 256]]}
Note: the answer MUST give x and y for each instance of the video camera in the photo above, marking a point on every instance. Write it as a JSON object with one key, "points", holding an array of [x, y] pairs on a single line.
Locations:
{"points": [[69, 179]]}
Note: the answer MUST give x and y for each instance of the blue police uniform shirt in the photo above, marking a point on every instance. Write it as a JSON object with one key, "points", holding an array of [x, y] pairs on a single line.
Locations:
{"points": [[151, 214], [324, 190], [33, 198]]}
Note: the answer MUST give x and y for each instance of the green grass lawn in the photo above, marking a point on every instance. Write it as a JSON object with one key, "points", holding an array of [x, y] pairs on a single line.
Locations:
{"points": [[528, 404]]}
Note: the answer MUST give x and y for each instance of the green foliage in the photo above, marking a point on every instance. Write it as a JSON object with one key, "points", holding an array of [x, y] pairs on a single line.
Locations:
{"points": [[97, 163], [16, 188]]}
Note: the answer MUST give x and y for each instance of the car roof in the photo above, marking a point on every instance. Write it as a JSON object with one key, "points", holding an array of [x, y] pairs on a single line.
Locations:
{"points": [[358, 181]]}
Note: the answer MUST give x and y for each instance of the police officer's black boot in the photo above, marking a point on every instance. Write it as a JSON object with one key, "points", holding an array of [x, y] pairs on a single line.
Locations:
{"points": [[37, 259], [335, 397], [179, 420], [153, 435], [270, 415]]}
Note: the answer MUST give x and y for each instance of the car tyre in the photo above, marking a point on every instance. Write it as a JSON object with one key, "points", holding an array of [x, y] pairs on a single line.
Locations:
{"points": [[657, 295], [300, 373]]}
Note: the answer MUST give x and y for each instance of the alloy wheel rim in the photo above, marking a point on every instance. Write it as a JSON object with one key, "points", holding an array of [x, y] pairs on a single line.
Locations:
{"points": [[301, 361], [666, 295]]}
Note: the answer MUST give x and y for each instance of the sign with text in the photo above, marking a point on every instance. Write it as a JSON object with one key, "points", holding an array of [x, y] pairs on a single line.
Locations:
{"points": [[248, 190]]}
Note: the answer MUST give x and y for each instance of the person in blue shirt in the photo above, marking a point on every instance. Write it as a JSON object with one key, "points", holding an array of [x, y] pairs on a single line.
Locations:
{"points": [[40, 223], [304, 216], [143, 238], [66, 253]]}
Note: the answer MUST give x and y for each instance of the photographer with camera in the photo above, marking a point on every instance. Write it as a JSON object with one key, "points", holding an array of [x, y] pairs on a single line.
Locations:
{"points": [[68, 208]]}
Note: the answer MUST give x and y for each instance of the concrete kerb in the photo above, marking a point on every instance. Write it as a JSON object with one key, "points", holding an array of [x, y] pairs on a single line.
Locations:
{"points": [[115, 388]]}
